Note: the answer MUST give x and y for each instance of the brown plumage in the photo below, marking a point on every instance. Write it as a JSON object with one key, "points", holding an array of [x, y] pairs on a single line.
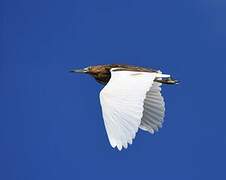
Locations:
{"points": [[102, 73]]}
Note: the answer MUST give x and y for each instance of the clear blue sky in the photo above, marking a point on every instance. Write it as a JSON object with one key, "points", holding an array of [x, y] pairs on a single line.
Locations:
{"points": [[51, 125]]}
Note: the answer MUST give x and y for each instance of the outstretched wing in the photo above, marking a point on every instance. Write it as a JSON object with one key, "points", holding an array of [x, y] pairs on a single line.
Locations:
{"points": [[154, 109], [122, 102]]}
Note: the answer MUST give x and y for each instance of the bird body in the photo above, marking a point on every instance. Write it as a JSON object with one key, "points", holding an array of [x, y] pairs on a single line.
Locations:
{"points": [[131, 99]]}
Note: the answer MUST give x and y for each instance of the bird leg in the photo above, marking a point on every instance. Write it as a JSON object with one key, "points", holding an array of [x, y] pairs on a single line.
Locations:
{"points": [[168, 80]]}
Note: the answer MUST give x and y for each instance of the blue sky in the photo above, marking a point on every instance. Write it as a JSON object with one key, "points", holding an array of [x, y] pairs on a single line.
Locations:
{"points": [[51, 125]]}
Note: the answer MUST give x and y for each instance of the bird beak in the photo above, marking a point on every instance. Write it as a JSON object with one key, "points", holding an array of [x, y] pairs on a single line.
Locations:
{"points": [[78, 71]]}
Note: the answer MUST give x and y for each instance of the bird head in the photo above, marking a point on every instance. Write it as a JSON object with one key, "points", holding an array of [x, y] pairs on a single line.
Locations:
{"points": [[100, 72]]}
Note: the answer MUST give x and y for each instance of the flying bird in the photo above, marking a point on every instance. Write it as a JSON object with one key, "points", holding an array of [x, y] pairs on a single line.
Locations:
{"points": [[131, 99]]}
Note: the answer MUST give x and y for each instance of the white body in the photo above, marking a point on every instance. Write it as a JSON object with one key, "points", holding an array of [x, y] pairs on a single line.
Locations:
{"points": [[131, 100]]}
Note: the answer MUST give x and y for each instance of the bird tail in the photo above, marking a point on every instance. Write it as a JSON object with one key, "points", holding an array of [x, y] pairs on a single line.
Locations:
{"points": [[165, 79]]}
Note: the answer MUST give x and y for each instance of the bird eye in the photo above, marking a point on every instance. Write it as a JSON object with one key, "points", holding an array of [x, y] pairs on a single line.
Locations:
{"points": [[86, 69]]}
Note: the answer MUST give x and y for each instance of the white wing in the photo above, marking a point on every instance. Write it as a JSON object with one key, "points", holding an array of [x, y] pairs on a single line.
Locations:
{"points": [[122, 101], [154, 109]]}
